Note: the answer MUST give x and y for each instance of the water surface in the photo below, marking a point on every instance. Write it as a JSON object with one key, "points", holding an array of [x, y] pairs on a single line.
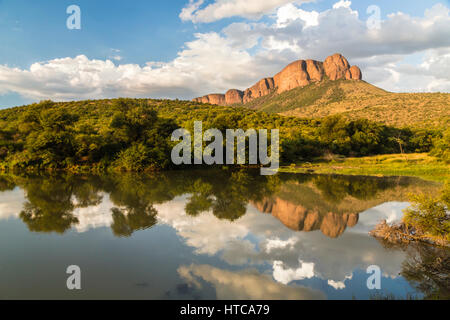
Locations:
{"points": [[216, 234]]}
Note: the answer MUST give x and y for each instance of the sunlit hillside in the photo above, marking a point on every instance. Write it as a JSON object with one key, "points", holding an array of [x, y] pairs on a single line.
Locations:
{"points": [[358, 99]]}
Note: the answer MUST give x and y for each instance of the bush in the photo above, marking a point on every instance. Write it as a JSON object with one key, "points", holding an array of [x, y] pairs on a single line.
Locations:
{"points": [[442, 147], [430, 216], [135, 158]]}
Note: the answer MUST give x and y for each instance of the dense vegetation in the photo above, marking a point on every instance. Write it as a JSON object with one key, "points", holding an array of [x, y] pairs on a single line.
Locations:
{"points": [[430, 216], [134, 134]]}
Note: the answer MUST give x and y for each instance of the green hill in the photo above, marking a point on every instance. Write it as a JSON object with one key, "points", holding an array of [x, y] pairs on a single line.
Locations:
{"points": [[356, 100]]}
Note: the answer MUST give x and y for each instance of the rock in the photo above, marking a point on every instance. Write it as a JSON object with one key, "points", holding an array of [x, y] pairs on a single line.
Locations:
{"points": [[203, 99], [336, 67], [293, 76], [262, 88], [297, 74], [216, 98], [315, 70], [234, 96], [354, 73]]}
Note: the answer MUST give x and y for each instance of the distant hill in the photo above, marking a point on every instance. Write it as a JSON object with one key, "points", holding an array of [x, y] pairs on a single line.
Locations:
{"points": [[358, 99], [315, 89]]}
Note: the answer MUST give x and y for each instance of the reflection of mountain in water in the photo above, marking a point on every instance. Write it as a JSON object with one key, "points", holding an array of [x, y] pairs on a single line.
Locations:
{"points": [[200, 204], [333, 203], [297, 217], [57, 203]]}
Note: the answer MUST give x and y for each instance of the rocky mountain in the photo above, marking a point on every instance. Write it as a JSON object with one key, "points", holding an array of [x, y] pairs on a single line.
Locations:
{"points": [[297, 74]]}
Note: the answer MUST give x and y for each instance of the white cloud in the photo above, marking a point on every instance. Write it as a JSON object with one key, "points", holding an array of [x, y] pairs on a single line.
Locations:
{"points": [[430, 75], [342, 4], [221, 9], [244, 52], [289, 13], [208, 63]]}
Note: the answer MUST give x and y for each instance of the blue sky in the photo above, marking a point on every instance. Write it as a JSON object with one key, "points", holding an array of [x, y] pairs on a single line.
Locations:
{"points": [[136, 32]]}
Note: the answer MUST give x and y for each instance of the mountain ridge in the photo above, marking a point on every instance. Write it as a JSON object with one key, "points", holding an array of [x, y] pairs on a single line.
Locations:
{"points": [[299, 73]]}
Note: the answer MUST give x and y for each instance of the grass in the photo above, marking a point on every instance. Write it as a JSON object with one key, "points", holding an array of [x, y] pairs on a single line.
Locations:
{"points": [[416, 165], [356, 100]]}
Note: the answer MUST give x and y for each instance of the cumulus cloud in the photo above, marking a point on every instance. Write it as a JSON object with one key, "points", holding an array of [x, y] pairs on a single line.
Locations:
{"points": [[288, 13], [82, 78], [430, 75], [221, 9], [242, 53]]}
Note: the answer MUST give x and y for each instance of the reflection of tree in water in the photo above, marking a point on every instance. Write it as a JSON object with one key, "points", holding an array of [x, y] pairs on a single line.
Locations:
{"points": [[49, 206], [52, 199], [6, 184], [226, 193], [128, 220], [336, 188], [426, 268], [201, 199], [228, 199]]}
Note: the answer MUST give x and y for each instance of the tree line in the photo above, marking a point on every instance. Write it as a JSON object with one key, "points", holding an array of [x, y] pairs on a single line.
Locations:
{"points": [[135, 134]]}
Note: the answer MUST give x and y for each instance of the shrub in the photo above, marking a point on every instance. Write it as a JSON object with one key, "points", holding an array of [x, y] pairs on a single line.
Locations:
{"points": [[430, 216]]}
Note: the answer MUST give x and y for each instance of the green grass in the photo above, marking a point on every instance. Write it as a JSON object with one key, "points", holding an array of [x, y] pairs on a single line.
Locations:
{"points": [[415, 165]]}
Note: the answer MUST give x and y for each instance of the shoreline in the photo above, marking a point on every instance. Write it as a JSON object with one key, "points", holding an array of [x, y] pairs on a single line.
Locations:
{"points": [[418, 165]]}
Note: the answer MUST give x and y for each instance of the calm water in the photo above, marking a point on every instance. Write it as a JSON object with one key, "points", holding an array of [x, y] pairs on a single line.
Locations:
{"points": [[209, 235]]}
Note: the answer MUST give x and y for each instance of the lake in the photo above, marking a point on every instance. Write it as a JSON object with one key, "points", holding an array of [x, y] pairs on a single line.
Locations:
{"points": [[213, 234]]}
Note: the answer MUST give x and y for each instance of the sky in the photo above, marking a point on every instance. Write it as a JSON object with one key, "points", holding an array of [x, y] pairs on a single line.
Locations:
{"points": [[188, 48]]}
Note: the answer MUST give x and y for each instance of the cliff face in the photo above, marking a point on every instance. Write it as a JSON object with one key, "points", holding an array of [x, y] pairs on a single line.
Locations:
{"points": [[299, 218], [297, 74]]}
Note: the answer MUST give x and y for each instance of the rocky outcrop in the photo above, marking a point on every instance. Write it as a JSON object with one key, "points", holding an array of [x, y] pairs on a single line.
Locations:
{"points": [[215, 98], [354, 73], [262, 88], [299, 218], [233, 96], [297, 74], [336, 67]]}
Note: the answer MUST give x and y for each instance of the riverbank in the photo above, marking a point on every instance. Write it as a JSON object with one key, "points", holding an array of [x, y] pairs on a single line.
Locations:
{"points": [[416, 165], [426, 220]]}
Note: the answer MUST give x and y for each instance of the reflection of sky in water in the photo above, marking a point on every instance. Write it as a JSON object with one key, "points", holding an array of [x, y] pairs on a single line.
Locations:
{"points": [[254, 257]]}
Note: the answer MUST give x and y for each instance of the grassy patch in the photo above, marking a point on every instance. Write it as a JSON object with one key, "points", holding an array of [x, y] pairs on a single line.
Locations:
{"points": [[416, 165]]}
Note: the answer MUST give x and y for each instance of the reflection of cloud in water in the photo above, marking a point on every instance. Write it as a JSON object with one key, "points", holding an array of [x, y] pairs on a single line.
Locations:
{"points": [[94, 216], [285, 276], [245, 285], [339, 285], [11, 203], [205, 232], [389, 211], [258, 239]]}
